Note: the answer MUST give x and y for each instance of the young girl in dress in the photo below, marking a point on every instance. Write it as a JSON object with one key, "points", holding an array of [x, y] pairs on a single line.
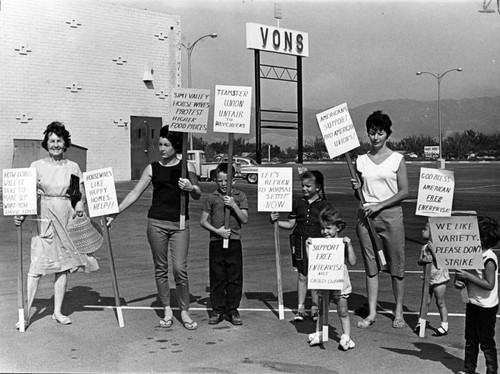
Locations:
{"points": [[304, 220], [437, 284], [332, 224]]}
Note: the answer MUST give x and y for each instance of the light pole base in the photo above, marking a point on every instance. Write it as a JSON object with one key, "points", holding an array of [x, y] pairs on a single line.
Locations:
{"points": [[440, 163]]}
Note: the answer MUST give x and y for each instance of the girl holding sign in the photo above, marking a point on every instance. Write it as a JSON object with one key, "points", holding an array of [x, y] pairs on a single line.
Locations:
{"points": [[304, 220], [163, 222], [384, 184], [437, 283], [332, 224], [52, 250]]}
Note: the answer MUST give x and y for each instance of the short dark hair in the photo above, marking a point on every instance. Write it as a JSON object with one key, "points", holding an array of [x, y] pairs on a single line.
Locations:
{"points": [[58, 129], [223, 167], [332, 216], [488, 231], [175, 138], [379, 121]]}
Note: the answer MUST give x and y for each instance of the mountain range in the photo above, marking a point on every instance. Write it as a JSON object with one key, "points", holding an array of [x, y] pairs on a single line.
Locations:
{"points": [[409, 117]]}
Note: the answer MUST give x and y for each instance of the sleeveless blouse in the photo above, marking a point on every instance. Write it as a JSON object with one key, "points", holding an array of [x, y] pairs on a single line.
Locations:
{"points": [[380, 182], [166, 193]]}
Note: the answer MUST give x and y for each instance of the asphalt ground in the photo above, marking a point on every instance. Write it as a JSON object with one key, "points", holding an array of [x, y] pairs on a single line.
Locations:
{"points": [[264, 344]]}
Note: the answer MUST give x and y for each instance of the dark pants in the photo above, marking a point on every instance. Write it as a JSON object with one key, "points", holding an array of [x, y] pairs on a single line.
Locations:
{"points": [[480, 332], [226, 276]]}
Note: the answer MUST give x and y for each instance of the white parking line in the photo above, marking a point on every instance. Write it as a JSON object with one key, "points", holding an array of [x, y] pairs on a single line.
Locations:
{"points": [[388, 312]]}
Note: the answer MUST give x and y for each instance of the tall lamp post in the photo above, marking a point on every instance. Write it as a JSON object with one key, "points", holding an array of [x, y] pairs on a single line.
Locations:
{"points": [[439, 77], [189, 48]]}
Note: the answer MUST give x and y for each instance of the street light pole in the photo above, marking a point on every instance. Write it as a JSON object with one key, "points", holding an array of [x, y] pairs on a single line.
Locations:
{"points": [[189, 49], [439, 77]]}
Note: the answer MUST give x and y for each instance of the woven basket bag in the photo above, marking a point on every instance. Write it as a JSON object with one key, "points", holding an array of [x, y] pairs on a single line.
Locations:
{"points": [[84, 235]]}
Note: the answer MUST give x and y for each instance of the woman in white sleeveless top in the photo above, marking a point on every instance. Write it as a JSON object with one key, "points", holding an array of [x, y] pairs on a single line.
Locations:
{"points": [[384, 184]]}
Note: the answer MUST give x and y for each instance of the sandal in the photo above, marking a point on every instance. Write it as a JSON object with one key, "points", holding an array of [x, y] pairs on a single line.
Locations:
{"points": [[365, 323], [314, 314], [299, 317], [166, 323], [440, 331], [190, 325], [63, 320], [398, 323]]}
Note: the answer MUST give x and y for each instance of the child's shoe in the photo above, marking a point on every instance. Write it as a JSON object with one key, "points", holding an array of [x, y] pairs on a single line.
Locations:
{"points": [[299, 316], [346, 343], [314, 313], [316, 338]]}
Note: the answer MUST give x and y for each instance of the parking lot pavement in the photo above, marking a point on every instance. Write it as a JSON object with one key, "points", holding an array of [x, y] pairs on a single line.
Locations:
{"points": [[264, 344]]}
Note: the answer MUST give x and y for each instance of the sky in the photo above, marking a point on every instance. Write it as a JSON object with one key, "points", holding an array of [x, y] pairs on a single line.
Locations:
{"points": [[359, 51]]}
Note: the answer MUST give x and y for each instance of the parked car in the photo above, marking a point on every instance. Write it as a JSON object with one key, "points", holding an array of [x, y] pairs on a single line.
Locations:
{"points": [[246, 168], [206, 170]]}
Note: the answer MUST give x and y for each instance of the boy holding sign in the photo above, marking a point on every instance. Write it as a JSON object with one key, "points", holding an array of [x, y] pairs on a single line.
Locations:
{"points": [[226, 264], [332, 224], [481, 310]]}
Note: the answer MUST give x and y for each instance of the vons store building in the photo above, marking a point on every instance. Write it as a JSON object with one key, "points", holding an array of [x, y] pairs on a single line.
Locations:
{"points": [[104, 70]]}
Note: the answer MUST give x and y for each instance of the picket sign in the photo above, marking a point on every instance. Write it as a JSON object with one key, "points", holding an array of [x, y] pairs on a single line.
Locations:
{"points": [[232, 106], [189, 114], [435, 192], [325, 273], [340, 138], [19, 197], [101, 201], [275, 188]]}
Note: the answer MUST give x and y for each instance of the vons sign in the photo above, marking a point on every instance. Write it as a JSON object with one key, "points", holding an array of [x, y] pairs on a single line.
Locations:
{"points": [[278, 40]]}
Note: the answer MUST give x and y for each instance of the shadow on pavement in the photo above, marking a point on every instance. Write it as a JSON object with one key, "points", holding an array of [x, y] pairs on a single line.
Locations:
{"points": [[431, 352]]}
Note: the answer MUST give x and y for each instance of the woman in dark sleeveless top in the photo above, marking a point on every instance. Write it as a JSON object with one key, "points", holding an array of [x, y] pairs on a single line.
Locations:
{"points": [[164, 222]]}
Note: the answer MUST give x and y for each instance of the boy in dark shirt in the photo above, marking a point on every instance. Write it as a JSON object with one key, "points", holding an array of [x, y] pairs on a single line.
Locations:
{"points": [[226, 264]]}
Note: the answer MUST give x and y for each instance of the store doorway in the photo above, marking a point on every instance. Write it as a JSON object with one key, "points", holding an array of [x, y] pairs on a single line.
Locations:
{"points": [[144, 134]]}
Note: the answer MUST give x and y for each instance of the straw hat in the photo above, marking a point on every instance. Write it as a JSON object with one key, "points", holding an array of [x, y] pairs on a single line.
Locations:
{"points": [[84, 235]]}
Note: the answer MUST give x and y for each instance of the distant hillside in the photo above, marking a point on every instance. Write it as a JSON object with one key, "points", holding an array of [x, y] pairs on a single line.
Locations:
{"points": [[412, 117]]}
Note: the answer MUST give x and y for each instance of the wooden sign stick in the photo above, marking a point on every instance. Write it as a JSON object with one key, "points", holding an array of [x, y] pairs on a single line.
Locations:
{"points": [[113, 272], [281, 309], [424, 305], [184, 174], [227, 211], [376, 241], [319, 321], [20, 287], [325, 306]]}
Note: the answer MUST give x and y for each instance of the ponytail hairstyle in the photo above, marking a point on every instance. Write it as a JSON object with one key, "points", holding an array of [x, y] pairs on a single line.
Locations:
{"points": [[318, 178]]}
